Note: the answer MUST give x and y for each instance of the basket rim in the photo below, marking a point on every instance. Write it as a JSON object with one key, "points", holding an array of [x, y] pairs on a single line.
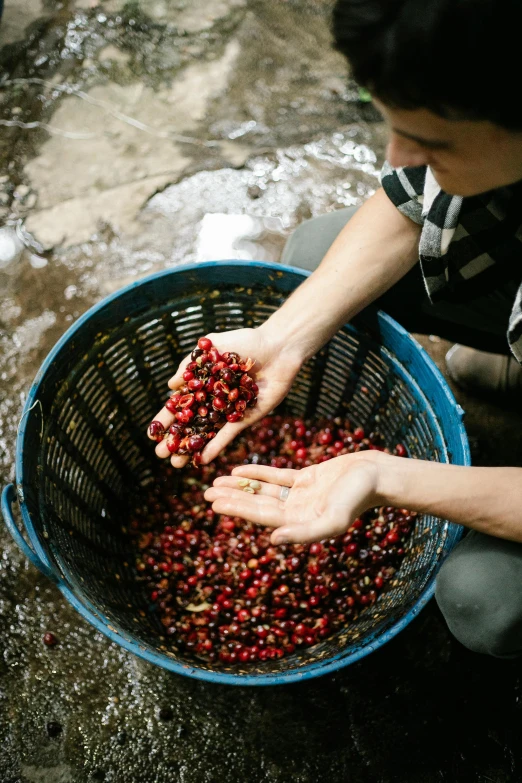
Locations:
{"points": [[85, 607]]}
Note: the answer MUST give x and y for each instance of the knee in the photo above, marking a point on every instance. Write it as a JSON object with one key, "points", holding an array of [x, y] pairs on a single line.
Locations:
{"points": [[303, 234], [477, 614], [311, 240]]}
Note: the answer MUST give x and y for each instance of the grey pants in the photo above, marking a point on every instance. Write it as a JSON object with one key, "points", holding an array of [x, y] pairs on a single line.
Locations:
{"points": [[479, 587]]}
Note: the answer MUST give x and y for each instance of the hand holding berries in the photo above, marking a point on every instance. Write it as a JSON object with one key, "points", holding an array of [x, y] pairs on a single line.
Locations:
{"points": [[220, 381], [230, 398]]}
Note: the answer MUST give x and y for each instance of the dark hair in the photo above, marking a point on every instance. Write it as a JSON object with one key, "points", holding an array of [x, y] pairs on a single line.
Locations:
{"points": [[458, 58]]}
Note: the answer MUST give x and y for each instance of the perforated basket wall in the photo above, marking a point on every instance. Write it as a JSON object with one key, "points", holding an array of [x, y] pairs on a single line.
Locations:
{"points": [[84, 447]]}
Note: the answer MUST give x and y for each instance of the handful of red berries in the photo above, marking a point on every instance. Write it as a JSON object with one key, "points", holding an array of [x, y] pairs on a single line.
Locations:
{"points": [[217, 389]]}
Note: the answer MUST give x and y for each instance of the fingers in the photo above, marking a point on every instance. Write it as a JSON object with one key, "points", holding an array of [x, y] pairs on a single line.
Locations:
{"points": [[161, 450], [231, 482], [177, 460], [306, 532], [225, 436], [210, 452], [284, 477], [166, 418], [260, 509]]}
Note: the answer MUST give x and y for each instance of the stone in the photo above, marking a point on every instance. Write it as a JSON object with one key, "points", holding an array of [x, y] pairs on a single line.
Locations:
{"points": [[21, 192], [62, 773], [77, 219], [130, 135], [113, 54], [165, 714], [11, 247], [193, 16], [30, 200], [234, 153], [54, 729], [16, 18]]}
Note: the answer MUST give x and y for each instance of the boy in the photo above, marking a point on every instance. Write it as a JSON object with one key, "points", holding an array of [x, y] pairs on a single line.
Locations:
{"points": [[439, 247]]}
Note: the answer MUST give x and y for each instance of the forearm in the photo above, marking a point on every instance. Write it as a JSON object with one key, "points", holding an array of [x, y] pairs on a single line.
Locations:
{"points": [[485, 499], [375, 249]]}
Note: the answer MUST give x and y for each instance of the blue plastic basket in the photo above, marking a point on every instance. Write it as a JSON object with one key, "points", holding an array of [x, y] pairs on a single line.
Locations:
{"points": [[82, 444]]}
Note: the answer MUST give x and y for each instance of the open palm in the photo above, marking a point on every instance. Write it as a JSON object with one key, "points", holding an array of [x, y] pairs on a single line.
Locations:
{"points": [[322, 502], [274, 372]]}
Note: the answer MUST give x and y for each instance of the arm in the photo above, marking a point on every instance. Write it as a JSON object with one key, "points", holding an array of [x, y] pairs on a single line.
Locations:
{"points": [[377, 247], [485, 499], [374, 250], [325, 499]]}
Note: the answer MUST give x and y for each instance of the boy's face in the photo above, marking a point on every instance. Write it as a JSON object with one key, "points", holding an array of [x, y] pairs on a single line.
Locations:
{"points": [[466, 157]]}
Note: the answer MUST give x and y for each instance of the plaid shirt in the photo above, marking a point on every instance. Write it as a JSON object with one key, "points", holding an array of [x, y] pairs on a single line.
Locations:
{"points": [[467, 245]]}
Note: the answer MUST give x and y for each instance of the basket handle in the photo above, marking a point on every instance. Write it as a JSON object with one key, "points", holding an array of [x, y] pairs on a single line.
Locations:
{"points": [[8, 498]]}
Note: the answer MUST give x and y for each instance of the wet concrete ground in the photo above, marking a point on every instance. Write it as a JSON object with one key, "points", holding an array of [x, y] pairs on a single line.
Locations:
{"points": [[137, 136]]}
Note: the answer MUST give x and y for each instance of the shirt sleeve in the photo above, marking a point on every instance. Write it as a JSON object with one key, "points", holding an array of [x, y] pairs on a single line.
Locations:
{"points": [[405, 188]]}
